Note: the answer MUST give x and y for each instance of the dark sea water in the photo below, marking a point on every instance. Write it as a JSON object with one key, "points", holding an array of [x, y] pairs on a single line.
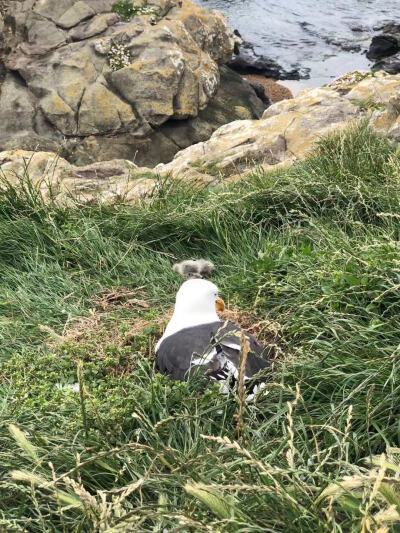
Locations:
{"points": [[309, 33]]}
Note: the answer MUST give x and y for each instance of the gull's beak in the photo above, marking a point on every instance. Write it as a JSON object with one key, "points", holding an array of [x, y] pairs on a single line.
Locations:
{"points": [[220, 305]]}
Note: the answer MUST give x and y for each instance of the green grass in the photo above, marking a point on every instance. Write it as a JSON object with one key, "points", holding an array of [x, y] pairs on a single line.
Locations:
{"points": [[126, 9], [312, 249]]}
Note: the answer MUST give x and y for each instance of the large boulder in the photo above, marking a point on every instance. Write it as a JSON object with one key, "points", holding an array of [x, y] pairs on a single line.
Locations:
{"points": [[235, 99], [383, 46], [391, 64], [82, 77], [385, 49]]}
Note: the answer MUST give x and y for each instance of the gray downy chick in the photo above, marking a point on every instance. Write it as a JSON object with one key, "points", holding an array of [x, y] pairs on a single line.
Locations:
{"points": [[194, 268]]}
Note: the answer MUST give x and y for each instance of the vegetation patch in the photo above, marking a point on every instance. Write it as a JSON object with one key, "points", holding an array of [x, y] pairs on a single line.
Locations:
{"points": [[145, 175], [119, 57], [92, 438], [370, 104], [350, 79], [126, 9]]}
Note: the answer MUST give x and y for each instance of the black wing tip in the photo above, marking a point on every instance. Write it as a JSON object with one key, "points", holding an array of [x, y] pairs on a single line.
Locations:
{"points": [[194, 268]]}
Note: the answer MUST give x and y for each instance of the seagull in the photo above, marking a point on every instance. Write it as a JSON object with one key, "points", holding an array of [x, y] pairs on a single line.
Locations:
{"points": [[196, 339]]}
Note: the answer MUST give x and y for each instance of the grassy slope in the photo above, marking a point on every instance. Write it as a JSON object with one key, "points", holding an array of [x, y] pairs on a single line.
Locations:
{"points": [[307, 249]]}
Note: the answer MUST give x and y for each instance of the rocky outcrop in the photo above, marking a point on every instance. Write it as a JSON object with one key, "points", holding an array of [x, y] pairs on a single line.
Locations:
{"points": [[391, 64], [248, 61], [383, 46], [233, 100], [289, 129], [65, 183], [83, 81], [287, 132]]}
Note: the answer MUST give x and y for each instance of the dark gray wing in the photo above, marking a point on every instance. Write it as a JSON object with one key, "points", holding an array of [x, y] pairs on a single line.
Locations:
{"points": [[214, 346]]}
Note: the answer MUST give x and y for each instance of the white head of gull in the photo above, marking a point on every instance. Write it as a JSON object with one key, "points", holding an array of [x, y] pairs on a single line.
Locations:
{"points": [[197, 302]]}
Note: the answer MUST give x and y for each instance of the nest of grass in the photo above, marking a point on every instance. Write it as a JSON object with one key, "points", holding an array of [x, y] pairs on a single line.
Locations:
{"points": [[266, 331], [110, 324], [120, 297]]}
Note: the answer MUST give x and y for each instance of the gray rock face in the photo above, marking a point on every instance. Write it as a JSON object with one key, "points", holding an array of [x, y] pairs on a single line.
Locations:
{"points": [[59, 180], [74, 15], [385, 48], [391, 64], [79, 76], [286, 133], [234, 100], [17, 111]]}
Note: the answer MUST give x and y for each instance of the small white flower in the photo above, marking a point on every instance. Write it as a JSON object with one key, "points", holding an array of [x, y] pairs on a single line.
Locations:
{"points": [[119, 56]]}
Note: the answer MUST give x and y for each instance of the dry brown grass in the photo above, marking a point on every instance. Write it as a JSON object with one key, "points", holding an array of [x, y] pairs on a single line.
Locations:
{"points": [[266, 331], [103, 325], [120, 297]]}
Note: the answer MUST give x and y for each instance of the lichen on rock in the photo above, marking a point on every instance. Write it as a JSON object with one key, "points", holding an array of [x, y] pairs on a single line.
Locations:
{"points": [[83, 70], [286, 133], [289, 129]]}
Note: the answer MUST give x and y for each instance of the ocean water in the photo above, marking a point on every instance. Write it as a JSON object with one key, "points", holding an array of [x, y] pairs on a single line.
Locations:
{"points": [[309, 33]]}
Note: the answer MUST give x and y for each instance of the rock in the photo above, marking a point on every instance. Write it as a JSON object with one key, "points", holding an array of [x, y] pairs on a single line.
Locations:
{"points": [[65, 183], [111, 113], [45, 168], [208, 29], [43, 36], [95, 26], [140, 150], [391, 65], [359, 28], [100, 170], [234, 100], [248, 61], [378, 88], [82, 73], [76, 14], [345, 44], [391, 28], [259, 89], [165, 82], [389, 56], [59, 113], [17, 109], [48, 9], [386, 120], [383, 46], [287, 131]]}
